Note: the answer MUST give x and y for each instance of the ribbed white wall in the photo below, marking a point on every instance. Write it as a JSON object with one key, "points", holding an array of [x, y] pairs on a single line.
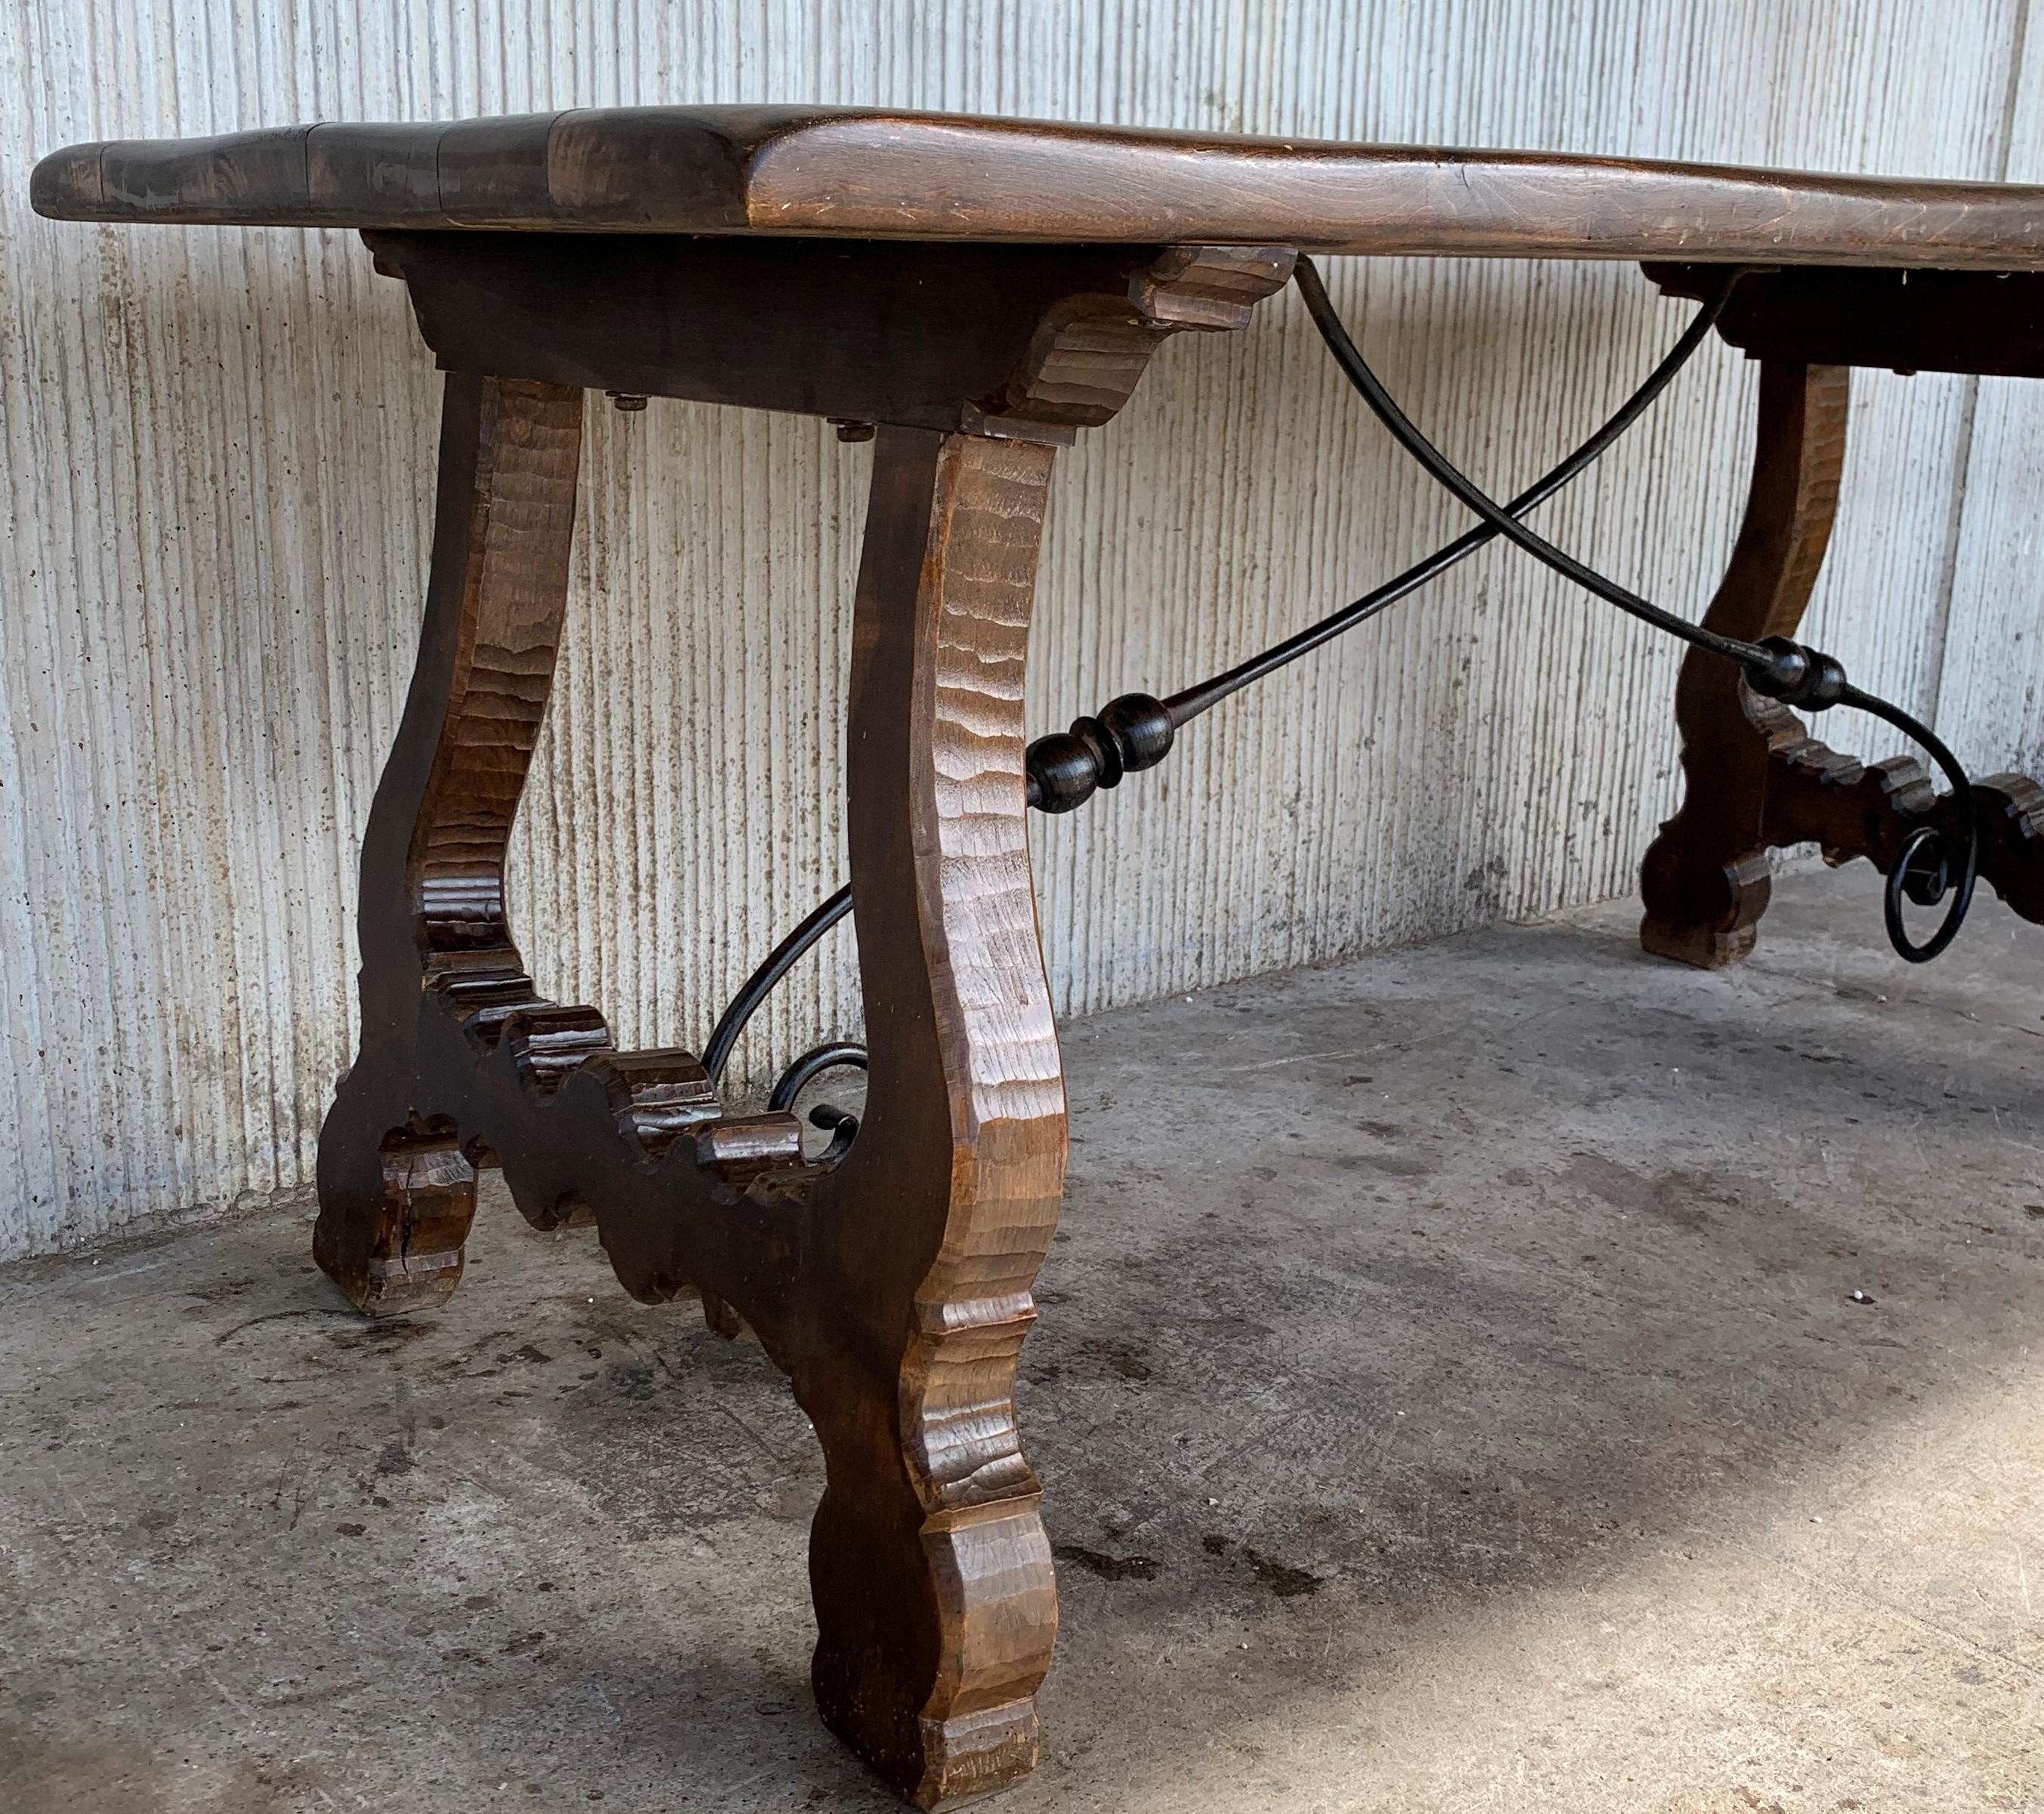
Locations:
{"points": [[218, 449]]}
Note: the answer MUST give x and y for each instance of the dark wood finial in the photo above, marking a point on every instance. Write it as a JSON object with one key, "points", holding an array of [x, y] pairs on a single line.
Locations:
{"points": [[1131, 733]]}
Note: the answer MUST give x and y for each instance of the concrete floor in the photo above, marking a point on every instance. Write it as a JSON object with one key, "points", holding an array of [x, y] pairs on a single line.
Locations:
{"points": [[1449, 1394]]}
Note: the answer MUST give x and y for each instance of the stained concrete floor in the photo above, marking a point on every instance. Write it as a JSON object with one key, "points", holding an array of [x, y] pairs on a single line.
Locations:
{"points": [[1449, 1393]]}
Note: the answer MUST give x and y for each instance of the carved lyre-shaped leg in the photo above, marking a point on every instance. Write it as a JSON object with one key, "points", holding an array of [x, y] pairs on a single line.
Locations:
{"points": [[936, 1607], [397, 1192], [1705, 879], [893, 1285]]}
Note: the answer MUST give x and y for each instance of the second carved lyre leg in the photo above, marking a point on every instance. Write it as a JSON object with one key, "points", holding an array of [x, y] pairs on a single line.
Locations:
{"points": [[1705, 879], [1754, 777]]}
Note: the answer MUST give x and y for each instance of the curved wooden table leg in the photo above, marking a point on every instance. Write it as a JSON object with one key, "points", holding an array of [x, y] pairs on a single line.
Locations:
{"points": [[397, 1191], [936, 1607], [1705, 879]]}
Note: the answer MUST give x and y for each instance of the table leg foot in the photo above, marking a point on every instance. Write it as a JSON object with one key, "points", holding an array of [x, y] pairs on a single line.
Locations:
{"points": [[936, 1626], [394, 1212]]}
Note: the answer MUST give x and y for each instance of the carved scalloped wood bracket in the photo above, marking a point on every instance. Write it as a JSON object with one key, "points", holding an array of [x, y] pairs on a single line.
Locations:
{"points": [[1087, 356], [1849, 809]]}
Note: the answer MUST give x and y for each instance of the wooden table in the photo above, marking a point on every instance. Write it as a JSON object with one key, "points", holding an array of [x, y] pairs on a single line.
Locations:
{"points": [[980, 291]]}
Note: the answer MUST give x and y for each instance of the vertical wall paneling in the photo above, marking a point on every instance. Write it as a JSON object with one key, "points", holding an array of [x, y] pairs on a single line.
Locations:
{"points": [[1990, 700]]}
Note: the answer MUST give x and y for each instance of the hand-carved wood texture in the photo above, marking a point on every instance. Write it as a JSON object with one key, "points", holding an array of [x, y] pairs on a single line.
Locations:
{"points": [[933, 1581], [895, 1288], [432, 909], [196, 687], [1086, 357], [463, 1062], [1814, 795]]}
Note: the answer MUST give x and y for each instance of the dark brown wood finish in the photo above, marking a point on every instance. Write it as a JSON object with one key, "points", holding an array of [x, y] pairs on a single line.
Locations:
{"points": [[396, 1190], [998, 339], [1704, 880], [872, 174], [1753, 778], [930, 1570], [893, 1287], [1990, 323]]}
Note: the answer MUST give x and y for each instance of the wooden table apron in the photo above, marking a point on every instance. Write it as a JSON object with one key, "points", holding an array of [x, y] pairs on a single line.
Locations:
{"points": [[984, 291]]}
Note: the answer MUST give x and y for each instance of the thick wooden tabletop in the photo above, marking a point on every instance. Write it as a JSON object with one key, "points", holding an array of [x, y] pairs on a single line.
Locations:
{"points": [[863, 173]]}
